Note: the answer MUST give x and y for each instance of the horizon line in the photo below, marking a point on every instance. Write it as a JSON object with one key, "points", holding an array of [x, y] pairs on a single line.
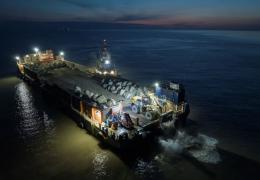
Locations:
{"points": [[251, 27]]}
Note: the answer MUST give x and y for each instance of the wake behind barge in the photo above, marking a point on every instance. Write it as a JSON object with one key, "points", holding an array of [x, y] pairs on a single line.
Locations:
{"points": [[113, 108]]}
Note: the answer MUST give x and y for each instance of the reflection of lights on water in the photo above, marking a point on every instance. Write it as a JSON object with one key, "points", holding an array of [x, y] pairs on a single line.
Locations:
{"points": [[100, 164], [26, 110], [146, 169], [31, 120], [48, 124]]}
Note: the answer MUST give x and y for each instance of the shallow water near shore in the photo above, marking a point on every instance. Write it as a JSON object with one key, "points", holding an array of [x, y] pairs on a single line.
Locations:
{"points": [[220, 71]]}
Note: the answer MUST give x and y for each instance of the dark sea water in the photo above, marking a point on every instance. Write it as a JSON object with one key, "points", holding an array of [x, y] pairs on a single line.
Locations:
{"points": [[221, 74]]}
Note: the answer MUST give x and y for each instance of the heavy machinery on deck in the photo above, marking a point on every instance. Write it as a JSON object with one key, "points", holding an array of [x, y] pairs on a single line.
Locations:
{"points": [[163, 100]]}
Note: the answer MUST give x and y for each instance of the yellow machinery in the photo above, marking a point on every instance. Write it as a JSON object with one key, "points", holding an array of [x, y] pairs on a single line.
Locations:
{"points": [[149, 105]]}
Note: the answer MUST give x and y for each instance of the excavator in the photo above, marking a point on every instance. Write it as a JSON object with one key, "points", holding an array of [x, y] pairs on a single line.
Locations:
{"points": [[149, 105], [169, 97]]}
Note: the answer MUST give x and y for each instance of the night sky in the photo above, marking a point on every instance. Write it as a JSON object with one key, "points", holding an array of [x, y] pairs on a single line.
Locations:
{"points": [[153, 12]]}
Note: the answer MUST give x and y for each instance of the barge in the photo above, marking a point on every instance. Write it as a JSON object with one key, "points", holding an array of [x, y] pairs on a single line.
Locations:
{"points": [[111, 107]]}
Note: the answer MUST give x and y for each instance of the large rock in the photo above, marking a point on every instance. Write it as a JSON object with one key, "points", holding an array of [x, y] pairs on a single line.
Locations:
{"points": [[122, 91], [91, 94], [129, 83], [127, 88], [88, 93], [118, 91], [133, 92], [113, 88], [109, 102], [101, 99], [124, 83], [145, 90], [95, 96], [118, 88], [132, 88], [110, 82], [77, 89], [139, 92], [128, 95], [119, 84]]}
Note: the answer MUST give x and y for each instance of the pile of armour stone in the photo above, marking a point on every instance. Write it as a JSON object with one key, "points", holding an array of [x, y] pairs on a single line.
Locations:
{"points": [[123, 87], [97, 98], [45, 68]]}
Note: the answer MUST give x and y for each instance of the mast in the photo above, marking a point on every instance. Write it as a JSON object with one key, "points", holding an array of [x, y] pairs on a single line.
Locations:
{"points": [[104, 64]]}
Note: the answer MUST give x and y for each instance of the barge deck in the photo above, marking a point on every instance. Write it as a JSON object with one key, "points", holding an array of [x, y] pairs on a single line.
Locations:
{"points": [[107, 105]]}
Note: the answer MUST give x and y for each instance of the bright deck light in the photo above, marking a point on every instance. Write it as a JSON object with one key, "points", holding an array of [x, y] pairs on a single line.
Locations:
{"points": [[36, 49], [107, 62], [112, 72], [62, 53], [156, 84], [17, 57]]}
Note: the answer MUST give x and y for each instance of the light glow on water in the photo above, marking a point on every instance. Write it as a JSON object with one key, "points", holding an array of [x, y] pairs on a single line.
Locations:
{"points": [[100, 164], [29, 123], [31, 120]]}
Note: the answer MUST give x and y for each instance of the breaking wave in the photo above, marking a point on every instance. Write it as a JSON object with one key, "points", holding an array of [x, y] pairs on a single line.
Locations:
{"points": [[201, 147]]}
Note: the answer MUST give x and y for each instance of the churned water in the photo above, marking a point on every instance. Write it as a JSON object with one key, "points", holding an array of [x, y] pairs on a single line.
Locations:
{"points": [[221, 73]]}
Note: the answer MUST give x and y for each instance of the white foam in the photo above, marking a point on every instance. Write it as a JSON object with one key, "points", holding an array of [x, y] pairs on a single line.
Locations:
{"points": [[167, 124], [171, 146], [201, 147]]}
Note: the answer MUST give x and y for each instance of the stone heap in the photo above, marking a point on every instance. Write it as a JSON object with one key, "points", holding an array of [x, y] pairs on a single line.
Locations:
{"points": [[123, 87], [99, 99], [45, 68]]}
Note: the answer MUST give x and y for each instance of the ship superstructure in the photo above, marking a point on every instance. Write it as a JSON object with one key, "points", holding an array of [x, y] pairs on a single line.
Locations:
{"points": [[105, 65]]}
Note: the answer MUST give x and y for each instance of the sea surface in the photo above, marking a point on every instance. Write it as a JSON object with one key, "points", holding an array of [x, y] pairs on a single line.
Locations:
{"points": [[219, 69]]}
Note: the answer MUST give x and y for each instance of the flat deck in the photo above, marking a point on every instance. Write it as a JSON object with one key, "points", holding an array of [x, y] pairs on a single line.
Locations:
{"points": [[67, 79]]}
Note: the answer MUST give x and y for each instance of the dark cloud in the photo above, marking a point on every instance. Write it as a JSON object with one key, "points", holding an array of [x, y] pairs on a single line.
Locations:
{"points": [[135, 17], [81, 4]]}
